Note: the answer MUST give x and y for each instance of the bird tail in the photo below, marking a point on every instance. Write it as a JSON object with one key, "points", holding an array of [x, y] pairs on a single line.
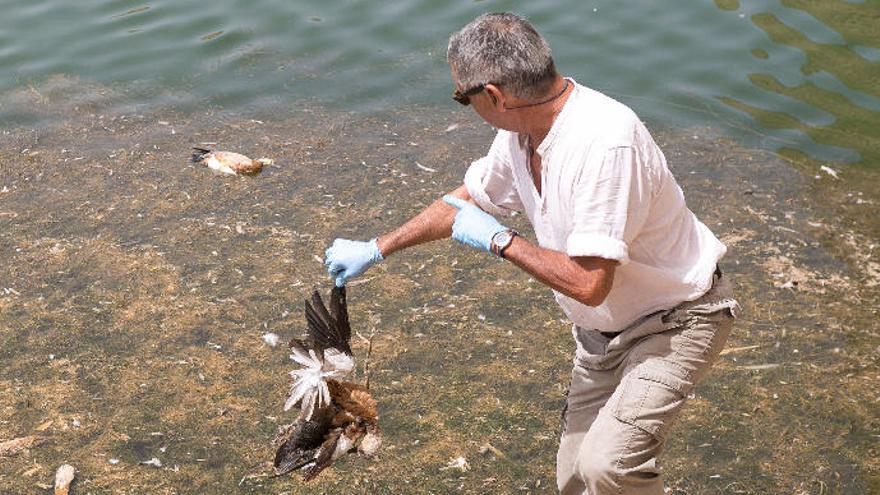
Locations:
{"points": [[199, 154], [329, 329], [289, 465]]}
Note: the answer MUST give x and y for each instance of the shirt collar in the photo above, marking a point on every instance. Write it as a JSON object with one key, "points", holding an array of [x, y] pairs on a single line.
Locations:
{"points": [[558, 122]]}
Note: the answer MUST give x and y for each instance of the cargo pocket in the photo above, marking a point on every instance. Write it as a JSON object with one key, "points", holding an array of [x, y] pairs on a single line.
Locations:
{"points": [[650, 399]]}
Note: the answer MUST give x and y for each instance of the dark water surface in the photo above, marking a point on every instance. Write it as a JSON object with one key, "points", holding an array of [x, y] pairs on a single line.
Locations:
{"points": [[135, 288], [790, 74]]}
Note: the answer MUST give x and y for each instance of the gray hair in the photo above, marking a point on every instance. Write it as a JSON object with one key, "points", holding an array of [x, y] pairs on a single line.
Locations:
{"points": [[502, 48]]}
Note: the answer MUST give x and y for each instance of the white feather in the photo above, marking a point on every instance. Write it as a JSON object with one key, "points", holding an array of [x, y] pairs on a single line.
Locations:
{"points": [[310, 382], [214, 164], [309, 360], [342, 446], [308, 405], [325, 392], [339, 361], [299, 389], [271, 339]]}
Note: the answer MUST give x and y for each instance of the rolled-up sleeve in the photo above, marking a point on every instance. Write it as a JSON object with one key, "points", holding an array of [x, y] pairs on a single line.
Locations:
{"points": [[610, 203], [490, 182]]}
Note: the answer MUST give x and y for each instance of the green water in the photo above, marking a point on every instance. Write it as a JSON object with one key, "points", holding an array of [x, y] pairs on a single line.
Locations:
{"points": [[792, 75]]}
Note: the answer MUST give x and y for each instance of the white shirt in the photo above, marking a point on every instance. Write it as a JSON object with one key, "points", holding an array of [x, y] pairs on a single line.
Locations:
{"points": [[606, 192]]}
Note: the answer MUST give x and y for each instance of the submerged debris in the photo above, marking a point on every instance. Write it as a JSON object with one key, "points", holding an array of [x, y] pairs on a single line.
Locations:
{"points": [[759, 367], [271, 339], [731, 350], [459, 463], [791, 284], [830, 171], [426, 169], [63, 479], [152, 462], [487, 448], [16, 445]]}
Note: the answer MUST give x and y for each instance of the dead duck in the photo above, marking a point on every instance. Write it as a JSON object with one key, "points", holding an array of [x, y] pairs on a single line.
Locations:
{"points": [[336, 416], [229, 162]]}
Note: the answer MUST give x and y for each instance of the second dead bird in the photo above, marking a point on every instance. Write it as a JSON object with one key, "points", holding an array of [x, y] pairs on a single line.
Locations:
{"points": [[336, 416], [228, 162]]}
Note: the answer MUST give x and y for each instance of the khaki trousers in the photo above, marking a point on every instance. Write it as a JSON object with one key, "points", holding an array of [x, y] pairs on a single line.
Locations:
{"points": [[625, 393]]}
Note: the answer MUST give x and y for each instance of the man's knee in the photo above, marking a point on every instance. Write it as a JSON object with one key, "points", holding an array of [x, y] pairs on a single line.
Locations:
{"points": [[597, 467], [621, 455]]}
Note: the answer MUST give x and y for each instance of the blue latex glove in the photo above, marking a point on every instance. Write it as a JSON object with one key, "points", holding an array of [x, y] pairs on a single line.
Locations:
{"points": [[472, 225], [347, 259]]}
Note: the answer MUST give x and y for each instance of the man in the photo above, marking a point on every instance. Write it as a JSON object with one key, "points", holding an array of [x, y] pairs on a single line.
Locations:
{"points": [[629, 264]]}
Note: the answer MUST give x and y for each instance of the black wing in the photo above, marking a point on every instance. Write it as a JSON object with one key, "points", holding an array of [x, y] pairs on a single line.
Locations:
{"points": [[321, 327], [339, 312], [304, 438], [323, 455], [325, 330], [199, 154]]}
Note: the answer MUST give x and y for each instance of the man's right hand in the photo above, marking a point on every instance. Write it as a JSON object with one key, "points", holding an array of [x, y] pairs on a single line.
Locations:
{"points": [[347, 259]]}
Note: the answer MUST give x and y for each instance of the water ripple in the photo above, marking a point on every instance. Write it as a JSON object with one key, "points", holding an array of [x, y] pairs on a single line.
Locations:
{"points": [[134, 11]]}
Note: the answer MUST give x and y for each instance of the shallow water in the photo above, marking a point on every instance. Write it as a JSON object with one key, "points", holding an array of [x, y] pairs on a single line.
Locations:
{"points": [[137, 287]]}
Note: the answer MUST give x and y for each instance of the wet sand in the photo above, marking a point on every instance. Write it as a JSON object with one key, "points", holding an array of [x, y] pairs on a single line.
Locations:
{"points": [[136, 288]]}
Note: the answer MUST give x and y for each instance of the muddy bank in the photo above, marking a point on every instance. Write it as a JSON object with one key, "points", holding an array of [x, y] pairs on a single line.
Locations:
{"points": [[136, 288]]}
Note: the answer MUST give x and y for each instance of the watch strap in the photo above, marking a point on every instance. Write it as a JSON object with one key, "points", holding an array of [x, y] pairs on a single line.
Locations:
{"points": [[498, 250]]}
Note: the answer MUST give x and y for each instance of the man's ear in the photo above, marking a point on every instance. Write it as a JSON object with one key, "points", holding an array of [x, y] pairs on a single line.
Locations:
{"points": [[496, 96]]}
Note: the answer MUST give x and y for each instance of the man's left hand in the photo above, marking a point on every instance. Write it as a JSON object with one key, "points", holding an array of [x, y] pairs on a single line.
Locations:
{"points": [[472, 225]]}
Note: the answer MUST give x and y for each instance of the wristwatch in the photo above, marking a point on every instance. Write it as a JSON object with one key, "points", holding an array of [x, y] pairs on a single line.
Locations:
{"points": [[501, 240]]}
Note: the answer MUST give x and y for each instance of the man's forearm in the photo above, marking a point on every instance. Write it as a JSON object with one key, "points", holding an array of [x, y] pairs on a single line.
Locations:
{"points": [[585, 279], [433, 223]]}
